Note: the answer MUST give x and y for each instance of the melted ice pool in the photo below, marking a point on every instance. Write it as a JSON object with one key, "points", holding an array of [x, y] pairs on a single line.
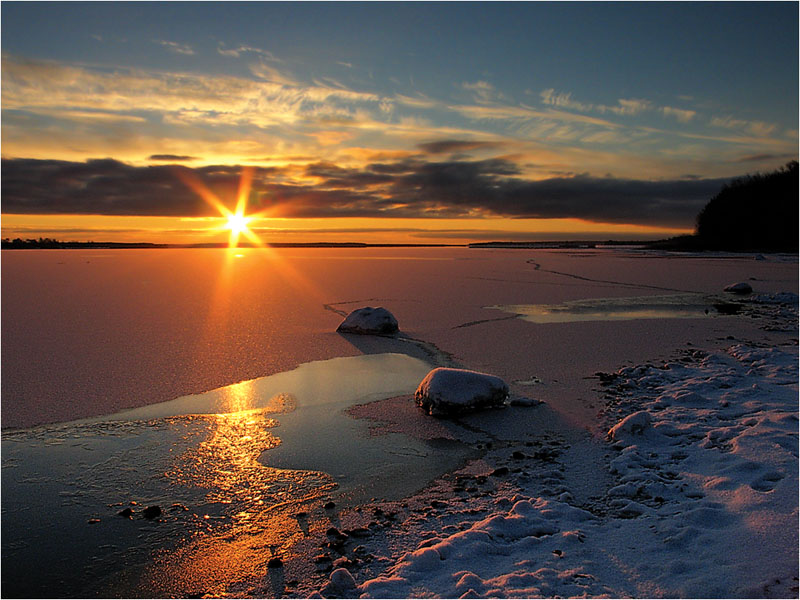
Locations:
{"points": [[675, 306], [224, 465]]}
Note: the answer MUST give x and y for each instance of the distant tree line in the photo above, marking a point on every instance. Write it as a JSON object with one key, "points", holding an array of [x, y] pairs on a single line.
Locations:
{"points": [[32, 243], [29, 243], [754, 212]]}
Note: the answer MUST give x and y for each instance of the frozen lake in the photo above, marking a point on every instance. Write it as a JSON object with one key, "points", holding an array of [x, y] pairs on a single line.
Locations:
{"points": [[213, 384]]}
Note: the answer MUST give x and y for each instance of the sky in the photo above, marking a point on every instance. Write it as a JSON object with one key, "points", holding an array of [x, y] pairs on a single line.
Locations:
{"points": [[387, 122]]}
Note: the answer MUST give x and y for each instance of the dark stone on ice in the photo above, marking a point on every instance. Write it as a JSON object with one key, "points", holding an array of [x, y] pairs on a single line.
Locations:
{"points": [[151, 512], [274, 563], [126, 512], [329, 505], [500, 471], [728, 308]]}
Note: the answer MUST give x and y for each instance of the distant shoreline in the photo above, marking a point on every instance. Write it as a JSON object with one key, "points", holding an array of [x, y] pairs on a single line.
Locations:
{"points": [[55, 245], [689, 243]]}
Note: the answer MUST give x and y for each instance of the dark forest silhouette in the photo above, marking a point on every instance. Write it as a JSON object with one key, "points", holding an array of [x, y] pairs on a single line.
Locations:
{"points": [[754, 212]]}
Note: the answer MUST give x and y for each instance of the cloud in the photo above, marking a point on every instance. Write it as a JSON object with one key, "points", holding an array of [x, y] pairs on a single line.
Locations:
{"points": [[176, 47], [564, 100], [239, 50], [108, 187], [756, 128], [170, 157], [419, 101], [403, 188], [765, 157], [484, 91], [681, 115], [523, 113], [46, 87], [450, 146], [88, 116], [269, 73], [631, 106]]}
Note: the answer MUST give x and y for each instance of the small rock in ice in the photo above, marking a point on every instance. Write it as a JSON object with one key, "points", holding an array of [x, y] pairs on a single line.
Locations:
{"points": [[524, 401], [636, 423], [369, 321], [739, 288], [447, 391], [342, 581]]}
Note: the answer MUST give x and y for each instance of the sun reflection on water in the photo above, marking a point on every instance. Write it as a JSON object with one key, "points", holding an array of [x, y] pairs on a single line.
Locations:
{"points": [[226, 462], [256, 502]]}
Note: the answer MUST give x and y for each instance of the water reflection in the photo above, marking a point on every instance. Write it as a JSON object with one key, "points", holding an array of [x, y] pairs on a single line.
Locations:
{"points": [[226, 510], [675, 306]]}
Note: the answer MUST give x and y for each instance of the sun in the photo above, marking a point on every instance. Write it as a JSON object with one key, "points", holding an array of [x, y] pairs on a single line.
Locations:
{"points": [[237, 223]]}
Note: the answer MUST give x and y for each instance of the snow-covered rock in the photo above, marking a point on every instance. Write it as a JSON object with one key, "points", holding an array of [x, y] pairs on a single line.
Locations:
{"points": [[369, 320], [341, 585], [447, 391], [739, 288], [637, 423]]}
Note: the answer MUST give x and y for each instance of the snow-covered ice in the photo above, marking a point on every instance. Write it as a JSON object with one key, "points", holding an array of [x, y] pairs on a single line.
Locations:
{"points": [[700, 498]]}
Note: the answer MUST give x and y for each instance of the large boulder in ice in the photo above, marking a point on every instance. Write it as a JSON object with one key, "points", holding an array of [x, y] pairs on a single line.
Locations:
{"points": [[451, 391], [739, 288], [369, 321]]}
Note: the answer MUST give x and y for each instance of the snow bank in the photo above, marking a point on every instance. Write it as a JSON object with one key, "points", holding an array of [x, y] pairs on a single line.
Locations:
{"points": [[369, 320], [447, 391], [700, 499]]}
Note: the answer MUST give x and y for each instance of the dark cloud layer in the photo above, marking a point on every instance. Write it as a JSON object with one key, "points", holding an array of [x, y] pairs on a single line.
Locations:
{"points": [[449, 146], [170, 157], [408, 188]]}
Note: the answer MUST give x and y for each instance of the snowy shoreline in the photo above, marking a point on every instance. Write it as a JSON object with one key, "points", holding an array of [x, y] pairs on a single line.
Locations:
{"points": [[699, 499]]}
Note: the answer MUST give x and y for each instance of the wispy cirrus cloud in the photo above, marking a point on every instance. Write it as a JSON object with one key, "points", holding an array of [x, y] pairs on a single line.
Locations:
{"points": [[267, 72], [238, 51], [756, 128], [563, 99], [624, 106], [133, 114], [276, 98], [175, 47], [483, 91], [681, 115], [627, 106]]}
